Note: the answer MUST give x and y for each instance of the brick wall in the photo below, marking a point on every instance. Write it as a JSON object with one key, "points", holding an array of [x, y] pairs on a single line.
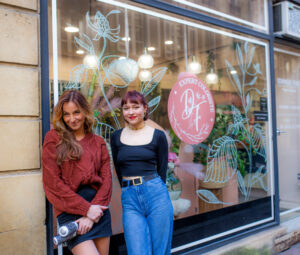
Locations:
{"points": [[22, 213]]}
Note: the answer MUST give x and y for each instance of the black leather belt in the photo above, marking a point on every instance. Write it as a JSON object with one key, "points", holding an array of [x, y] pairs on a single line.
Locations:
{"points": [[138, 181]]}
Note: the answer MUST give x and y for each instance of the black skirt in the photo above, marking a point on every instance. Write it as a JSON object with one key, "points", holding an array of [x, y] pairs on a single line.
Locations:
{"points": [[100, 229]]}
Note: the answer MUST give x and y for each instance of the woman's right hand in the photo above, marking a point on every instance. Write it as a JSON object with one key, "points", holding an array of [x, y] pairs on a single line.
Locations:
{"points": [[84, 225], [103, 208], [94, 212]]}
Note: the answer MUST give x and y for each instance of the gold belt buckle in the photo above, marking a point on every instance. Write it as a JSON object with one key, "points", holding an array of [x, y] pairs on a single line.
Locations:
{"points": [[136, 184]]}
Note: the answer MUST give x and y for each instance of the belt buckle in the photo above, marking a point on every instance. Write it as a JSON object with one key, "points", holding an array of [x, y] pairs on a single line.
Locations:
{"points": [[136, 184]]}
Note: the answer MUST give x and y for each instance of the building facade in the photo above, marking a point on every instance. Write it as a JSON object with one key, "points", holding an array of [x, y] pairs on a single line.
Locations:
{"points": [[218, 78], [23, 229]]}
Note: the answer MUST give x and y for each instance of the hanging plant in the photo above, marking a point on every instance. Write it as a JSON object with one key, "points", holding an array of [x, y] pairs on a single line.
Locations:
{"points": [[210, 61]]}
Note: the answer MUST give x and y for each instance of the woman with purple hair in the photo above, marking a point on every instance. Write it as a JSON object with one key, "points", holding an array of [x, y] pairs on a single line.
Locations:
{"points": [[140, 155]]}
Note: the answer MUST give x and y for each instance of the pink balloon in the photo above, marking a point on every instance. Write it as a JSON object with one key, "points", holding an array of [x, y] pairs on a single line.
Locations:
{"points": [[191, 109]]}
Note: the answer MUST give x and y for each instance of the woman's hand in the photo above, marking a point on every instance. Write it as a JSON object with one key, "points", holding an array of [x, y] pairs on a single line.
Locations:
{"points": [[103, 208], [84, 225], [94, 212]]}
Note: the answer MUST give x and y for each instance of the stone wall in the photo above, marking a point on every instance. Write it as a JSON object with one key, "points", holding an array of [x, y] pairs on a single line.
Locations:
{"points": [[22, 213]]}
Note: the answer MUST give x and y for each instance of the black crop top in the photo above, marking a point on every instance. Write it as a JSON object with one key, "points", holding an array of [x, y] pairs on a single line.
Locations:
{"points": [[140, 160]]}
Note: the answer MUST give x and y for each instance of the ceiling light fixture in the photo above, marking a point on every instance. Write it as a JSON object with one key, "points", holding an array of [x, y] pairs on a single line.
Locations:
{"points": [[71, 29], [211, 78], [194, 67], [126, 39], [145, 75], [233, 71], [79, 52], [151, 48], [90, 61], [145, 61], [169, 42]]}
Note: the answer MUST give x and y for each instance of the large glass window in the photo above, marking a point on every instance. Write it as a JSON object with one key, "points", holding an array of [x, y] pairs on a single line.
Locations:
{"points": [[287, 67], [207, 89]]}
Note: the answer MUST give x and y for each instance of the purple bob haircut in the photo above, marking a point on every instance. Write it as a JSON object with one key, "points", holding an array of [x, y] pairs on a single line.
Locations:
{"points": [[135, 97]]}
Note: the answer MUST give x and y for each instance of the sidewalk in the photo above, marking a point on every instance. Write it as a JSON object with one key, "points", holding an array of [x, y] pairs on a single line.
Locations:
{"points": [[260, 243], [270, 241], [294, 250]]}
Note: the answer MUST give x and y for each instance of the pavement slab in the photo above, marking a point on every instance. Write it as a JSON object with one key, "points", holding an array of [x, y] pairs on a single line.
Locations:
{"points": [[294, 250]]}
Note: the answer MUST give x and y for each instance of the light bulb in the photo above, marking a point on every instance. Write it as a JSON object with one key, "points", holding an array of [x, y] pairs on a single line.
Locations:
{"points": [[194, 67], [71, 29], [145, 75], [90, 61], [169, 42], [145, 61], [79, 52], [126, 39], [211, 78]]}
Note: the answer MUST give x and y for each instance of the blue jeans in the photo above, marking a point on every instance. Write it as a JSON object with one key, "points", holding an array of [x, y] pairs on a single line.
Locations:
{"points": [[147, 218]]}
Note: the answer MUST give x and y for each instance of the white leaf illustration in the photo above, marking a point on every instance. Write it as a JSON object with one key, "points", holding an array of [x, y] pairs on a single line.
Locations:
{"points": [[208, 197]]}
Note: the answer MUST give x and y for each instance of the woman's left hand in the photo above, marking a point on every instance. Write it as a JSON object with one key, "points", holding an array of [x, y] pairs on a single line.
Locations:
{"points": [[85, 224]]}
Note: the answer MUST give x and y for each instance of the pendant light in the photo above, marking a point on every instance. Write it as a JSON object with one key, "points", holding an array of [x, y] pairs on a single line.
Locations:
{"points": [[194, 67], [71, 29], [90, 61], [145, 61], [211, 78], [145, 75]]}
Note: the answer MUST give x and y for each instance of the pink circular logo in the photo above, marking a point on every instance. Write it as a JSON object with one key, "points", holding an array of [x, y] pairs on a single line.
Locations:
{"points": [[191, 109]]}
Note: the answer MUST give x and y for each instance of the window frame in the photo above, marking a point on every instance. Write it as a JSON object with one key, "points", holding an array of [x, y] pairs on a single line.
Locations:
{"points": [[44, 53]]}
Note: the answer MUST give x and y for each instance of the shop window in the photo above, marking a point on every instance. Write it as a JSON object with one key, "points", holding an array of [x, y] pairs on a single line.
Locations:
{"points": [[220, 175]]}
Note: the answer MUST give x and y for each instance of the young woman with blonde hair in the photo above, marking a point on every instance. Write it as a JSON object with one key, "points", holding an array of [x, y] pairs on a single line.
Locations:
{"points": [[77, 176]]}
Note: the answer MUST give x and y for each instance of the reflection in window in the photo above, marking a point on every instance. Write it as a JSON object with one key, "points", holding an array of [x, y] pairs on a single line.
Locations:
{"points": [[287, 83], [250, 13]]}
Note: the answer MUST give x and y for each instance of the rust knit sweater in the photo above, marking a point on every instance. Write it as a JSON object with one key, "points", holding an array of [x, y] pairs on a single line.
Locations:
{"points": [[62, 182]]}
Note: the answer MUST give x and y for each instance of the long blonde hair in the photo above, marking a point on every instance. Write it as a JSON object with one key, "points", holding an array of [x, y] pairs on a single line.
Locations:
{"points": [[68, 147]]}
